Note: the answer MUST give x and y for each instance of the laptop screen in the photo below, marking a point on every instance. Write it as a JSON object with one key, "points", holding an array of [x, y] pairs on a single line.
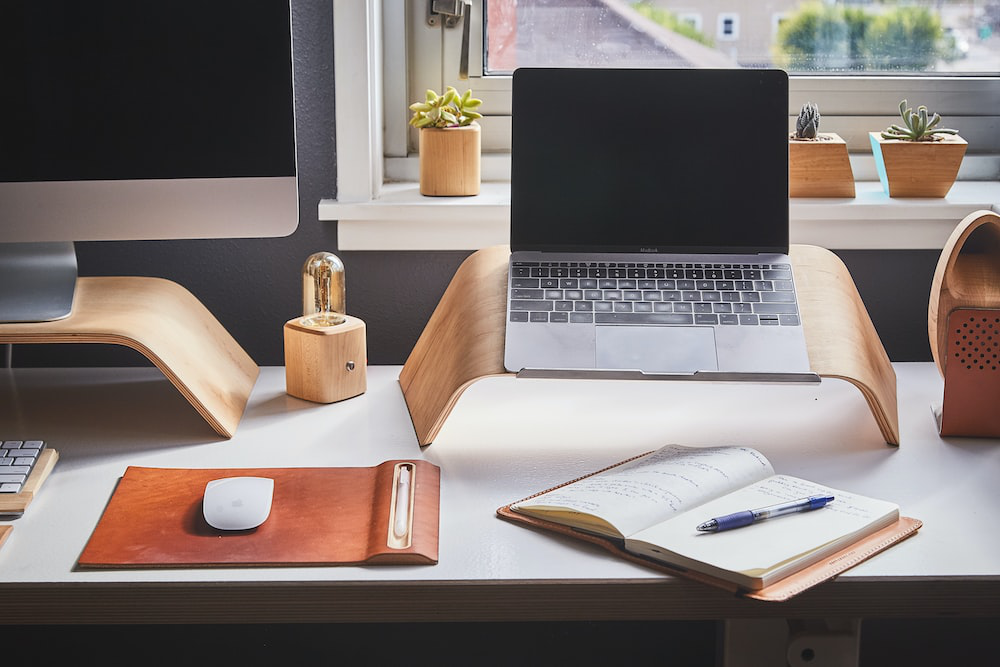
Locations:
{"points": [[649, 160]]}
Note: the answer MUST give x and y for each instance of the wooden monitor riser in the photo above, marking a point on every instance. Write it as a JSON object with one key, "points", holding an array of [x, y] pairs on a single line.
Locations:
{"points": [[464, 338], [170, 327]]}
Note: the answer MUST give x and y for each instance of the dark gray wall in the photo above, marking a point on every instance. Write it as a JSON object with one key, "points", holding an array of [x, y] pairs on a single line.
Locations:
{"points": [[252, 285], [896, 286]]}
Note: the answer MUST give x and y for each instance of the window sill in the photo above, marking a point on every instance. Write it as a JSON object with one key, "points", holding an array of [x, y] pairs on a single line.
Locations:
{"points": [[402, 219]]}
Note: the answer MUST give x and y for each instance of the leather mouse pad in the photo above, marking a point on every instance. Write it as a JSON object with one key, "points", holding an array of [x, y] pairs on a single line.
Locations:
{"points": [[319, 516]]}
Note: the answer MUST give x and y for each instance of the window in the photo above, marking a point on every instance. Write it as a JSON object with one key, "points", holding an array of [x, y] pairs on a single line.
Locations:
{"points": [[693, 19], [729, 27], [856, 92], [776, 21], [916, 36], [386, 55]]}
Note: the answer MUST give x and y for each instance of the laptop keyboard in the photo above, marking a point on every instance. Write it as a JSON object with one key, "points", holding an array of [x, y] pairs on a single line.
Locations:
{"points": [[17, 459], [653, 293]]}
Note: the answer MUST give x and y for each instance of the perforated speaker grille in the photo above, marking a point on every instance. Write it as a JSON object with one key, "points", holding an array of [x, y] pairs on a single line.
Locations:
{"points": [[976, 342]]}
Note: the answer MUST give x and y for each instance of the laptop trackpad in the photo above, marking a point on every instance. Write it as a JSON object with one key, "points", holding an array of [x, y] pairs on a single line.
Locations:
{"points": [[657, 349]]}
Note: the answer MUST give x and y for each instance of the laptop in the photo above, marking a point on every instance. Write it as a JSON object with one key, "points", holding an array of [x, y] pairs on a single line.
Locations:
{"points": [[649, 226]]}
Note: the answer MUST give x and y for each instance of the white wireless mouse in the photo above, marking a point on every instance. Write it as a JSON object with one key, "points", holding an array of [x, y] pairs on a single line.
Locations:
{"points": [[237, 503]]}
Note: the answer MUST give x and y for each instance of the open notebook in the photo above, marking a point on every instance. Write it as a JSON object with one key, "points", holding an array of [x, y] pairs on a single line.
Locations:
{"points": [[648, 509]]}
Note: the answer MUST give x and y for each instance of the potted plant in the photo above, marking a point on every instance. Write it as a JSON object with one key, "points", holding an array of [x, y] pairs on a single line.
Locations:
{"points": [[449, 143], [917, 158], [818, 164]]}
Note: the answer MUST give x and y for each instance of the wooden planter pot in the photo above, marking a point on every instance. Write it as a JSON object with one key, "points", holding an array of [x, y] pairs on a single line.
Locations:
{"points": [[819, 167], [449, 161], [917, 168]]}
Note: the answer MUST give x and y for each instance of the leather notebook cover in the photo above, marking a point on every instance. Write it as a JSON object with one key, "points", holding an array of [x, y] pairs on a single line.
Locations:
{"points": [[319, 516], [972, 374], [780, 591]]}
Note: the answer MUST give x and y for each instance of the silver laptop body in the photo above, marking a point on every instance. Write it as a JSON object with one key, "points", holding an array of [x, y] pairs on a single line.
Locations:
{"points": [[651, 242]]}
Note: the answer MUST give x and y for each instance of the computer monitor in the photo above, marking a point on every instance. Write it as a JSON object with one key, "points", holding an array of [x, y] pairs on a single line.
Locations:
{"points": [[128, 120]]}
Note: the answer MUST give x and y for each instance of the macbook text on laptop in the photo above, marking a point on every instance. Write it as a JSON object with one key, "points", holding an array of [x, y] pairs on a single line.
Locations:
{"points": [[649, 226]]}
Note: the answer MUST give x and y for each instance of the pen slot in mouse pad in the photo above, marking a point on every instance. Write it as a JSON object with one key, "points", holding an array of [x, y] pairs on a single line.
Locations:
{"points": [[400, 507]]}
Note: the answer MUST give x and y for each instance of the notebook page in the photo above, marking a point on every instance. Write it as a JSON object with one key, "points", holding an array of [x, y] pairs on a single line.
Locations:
{"points": [[772, 544], [650, 489]]}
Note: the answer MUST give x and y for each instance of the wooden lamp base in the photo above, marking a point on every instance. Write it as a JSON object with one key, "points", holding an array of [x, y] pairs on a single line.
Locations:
{"points": [[325, 364]]}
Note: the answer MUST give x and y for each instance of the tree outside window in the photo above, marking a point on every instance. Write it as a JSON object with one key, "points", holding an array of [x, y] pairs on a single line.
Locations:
{"points": [[837, 37]]}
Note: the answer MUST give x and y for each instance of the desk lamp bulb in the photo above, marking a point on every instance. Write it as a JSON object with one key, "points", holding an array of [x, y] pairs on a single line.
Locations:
{"points": [[323, 292]]}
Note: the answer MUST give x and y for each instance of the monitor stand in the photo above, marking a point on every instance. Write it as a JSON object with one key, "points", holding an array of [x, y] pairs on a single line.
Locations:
{"points": [[162, 321], [37, 281]]}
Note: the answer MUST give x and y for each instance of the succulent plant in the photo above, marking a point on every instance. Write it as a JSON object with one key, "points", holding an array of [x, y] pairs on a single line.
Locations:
{"points": [[448, 110], [919, 127], [807, 125]]}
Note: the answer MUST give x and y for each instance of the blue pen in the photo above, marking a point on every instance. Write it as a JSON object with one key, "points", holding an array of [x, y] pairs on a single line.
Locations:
{"points": [[747, 517]]}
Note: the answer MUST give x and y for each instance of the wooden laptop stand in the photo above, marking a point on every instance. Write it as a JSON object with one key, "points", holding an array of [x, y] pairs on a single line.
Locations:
{"points": [[170, 327], [464, 338]]}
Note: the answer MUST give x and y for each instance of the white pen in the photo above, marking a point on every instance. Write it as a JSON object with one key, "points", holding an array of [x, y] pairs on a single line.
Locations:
{"points": [[402, 525]]}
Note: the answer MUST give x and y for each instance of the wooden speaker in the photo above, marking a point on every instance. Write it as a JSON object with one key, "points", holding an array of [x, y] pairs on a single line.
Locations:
{"points": [[325, 364], [971, 403], [963, 326]]}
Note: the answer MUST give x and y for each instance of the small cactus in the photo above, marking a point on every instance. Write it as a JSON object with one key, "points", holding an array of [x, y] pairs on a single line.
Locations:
{"points": [[919, 127], [448, 110], [807, 125]]}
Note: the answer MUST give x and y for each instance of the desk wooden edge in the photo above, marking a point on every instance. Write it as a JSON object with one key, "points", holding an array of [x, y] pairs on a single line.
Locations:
{"points": [[166, 324], [463, 340]]}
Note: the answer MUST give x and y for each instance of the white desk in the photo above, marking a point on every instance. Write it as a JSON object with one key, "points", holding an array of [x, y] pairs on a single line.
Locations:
{"points": [[506, 439]]}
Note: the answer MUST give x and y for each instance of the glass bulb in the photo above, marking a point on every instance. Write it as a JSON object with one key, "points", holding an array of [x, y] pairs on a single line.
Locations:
{"points": [[323, 292]]}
